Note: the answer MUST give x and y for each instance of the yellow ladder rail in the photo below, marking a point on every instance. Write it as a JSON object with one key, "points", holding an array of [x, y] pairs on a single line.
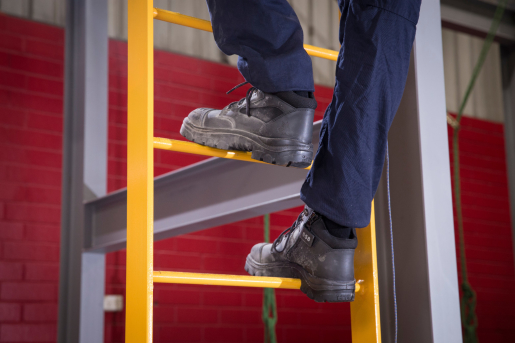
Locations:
{"points": [[197, 149], [205, 25], [140, 172], [140, 196]]}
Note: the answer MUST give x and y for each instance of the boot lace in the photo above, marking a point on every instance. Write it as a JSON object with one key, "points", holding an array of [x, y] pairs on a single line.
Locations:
{"points": [[247, 97], [287, 233]]}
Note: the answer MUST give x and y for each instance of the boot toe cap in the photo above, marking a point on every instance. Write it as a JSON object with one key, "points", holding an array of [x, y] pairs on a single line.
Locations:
{"points": [[196, 117], [257, 252], [262, 253]]}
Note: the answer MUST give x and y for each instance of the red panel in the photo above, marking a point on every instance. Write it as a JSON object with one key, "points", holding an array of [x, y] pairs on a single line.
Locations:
{"points": [[28, 333], [12, 79], [42, 272], [31, 138], [32, 213], [40, 103], [32, 174], [196, 245], [10, 42], [227, 298], [11, 116], [42, 85], [36, 66], [27, 28], [10, 271], [168, 294], [33, 291], [226, 264], [165, 59], [43, 312], [221, 71], [45, 122], [31, 251], [167, 260], [9, 312], [223, 334], [42, 233], [45, 49], [178, 334], [197, 315], [11, 231]]}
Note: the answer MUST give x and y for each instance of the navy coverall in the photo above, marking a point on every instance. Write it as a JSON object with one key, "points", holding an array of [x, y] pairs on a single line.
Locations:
{"points": [[376, 38]]}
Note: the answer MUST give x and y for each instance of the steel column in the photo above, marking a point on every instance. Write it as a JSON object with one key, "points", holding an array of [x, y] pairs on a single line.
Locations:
{"points": [[508, 73], [82, 275], [92, 292], [425, 252]]}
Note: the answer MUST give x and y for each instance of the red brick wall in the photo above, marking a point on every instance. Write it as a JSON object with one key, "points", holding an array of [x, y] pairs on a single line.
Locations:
{"points": [[486, 217], [31, 84], [31, 105]]}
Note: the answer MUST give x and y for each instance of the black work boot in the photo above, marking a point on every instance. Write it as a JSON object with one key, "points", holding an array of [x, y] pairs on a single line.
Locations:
{"points": [[277, 127], [306, 250]]}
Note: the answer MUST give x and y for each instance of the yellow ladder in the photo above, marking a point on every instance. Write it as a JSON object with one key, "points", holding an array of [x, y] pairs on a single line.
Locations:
{"points": [[140, 195]]}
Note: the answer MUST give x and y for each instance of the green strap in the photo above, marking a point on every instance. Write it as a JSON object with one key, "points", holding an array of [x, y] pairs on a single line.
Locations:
{"points": [[468, 297], [269, 315]]}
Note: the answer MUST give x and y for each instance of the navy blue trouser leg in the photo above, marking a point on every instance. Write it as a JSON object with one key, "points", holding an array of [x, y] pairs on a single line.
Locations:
{"points": [[376, 39], [267, 37]]}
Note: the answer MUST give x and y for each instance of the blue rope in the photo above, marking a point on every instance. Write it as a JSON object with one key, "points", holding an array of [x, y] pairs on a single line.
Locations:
{"points": [[391, 235]]}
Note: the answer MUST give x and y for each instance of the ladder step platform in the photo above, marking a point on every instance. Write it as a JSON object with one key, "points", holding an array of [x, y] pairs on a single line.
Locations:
{"points": [[228, 280], [194, 148]]}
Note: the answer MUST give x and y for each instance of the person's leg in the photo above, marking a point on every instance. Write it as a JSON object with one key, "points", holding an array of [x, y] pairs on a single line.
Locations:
{"points": [[371, 73], [275, 120], [376, 40], [268, 38]]}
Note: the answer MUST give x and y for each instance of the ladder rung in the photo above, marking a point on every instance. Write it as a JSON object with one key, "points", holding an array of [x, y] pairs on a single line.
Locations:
{"points": [[194, 148], [205, 25], [229, 280], [225, 280]]}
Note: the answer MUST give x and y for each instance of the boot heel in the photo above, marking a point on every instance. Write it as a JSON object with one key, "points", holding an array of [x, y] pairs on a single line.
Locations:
{"points": [[330, 296], [291, 158]]}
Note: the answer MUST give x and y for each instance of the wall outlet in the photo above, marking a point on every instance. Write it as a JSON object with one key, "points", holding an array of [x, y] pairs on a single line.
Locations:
{"points": [[113, 303]]}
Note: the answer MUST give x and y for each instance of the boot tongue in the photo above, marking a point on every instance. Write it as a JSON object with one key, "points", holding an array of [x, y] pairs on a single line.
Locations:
{"points": [[289, 238], [256, 95]]}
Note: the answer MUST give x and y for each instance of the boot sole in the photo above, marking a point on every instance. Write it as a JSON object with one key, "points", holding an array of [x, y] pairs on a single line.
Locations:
{"points": [[282, 152], [320, 290]]}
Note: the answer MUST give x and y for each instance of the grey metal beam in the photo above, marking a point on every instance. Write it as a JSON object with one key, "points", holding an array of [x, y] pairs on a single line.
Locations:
{"points": [[82, 275], [206, 194], [508, 73]]}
